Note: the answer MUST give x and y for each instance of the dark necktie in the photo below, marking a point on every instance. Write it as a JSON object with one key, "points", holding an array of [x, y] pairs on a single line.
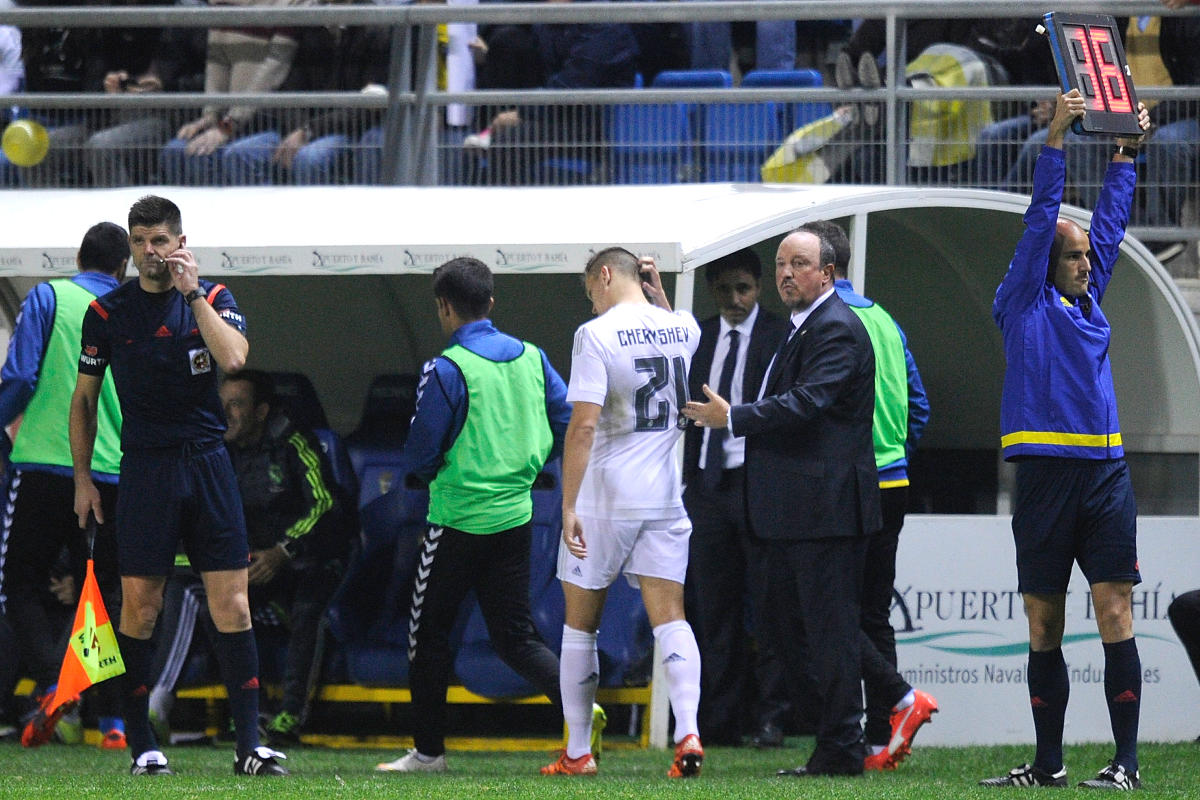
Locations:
{"points": [[714, 459], [770, 376]]}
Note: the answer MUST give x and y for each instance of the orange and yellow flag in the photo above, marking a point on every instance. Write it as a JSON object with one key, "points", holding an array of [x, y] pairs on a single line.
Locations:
{"points": [[92, 655]]}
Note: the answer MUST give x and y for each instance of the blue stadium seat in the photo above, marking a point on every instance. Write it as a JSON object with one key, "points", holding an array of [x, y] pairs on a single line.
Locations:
{"points": [[693, 79], [387, 411], [781, 78], [738, 137], [369, 613], [298, 399], [796, 114], [339, 460], [565, 171], [375, 445], [654, 143], [378, 470], [649, 143]]}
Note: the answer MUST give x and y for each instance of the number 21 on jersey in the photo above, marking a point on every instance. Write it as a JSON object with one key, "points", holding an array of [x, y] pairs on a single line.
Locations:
{"points": [[653, 409]]}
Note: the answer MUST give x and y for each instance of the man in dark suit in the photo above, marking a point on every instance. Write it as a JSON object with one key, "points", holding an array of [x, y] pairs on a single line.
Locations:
{"points": [[811, 484], [725, 564]]}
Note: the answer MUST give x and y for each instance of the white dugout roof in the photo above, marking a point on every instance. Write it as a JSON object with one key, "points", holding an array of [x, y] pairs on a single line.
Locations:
{"points": [[932, 257]]}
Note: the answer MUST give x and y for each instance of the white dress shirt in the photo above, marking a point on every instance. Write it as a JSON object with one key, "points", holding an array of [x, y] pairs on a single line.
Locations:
{"points": [[735, 449], [798, 318]]}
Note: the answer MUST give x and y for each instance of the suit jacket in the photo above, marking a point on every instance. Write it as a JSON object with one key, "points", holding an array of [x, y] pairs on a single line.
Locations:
{"points": [[810, 460], [768, 331]]}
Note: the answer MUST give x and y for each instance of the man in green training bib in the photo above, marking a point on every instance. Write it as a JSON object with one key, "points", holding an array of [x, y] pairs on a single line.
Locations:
{"points": [[491, 411], [35, 390]]}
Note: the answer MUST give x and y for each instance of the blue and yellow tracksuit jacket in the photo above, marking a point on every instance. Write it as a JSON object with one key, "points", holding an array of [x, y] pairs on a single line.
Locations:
{"points": [[1058, 391]]}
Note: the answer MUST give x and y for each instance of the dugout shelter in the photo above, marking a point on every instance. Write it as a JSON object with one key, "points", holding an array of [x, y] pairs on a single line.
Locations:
{"points": [[335, 284]]}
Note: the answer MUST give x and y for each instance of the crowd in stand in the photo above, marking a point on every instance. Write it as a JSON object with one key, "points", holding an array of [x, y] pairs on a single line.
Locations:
{"points": [[974, 143]]}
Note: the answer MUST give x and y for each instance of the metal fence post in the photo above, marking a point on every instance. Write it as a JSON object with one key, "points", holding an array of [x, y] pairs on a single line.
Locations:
{"points": [[423, 153], [397, 124]]}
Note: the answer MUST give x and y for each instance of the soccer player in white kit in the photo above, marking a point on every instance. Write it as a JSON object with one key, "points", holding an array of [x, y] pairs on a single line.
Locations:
{"points": [[622, 504]]}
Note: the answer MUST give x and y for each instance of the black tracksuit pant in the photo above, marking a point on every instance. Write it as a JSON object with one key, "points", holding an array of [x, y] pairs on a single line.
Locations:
{"points": [[496, 566]]}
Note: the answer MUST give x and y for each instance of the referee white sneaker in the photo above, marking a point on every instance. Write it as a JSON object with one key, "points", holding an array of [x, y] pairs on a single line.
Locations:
{"points": [[412, 761], [151, 762]]}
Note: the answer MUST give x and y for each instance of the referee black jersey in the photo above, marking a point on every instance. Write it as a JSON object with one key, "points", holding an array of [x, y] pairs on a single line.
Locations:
{"points": [[165, 376]]}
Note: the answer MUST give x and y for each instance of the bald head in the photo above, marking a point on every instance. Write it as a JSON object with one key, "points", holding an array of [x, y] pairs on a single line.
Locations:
{"points": [[1069, 268]]}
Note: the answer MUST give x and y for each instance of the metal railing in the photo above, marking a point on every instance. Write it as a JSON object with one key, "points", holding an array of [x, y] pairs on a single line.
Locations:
{"points": [[588, 137]]}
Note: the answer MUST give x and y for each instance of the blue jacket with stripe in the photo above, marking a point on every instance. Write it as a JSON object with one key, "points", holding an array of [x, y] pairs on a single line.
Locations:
{"points": [[1058, 396]]}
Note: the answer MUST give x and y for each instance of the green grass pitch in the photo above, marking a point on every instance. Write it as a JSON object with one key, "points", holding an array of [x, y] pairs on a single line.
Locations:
{"points": [[931, 773]]}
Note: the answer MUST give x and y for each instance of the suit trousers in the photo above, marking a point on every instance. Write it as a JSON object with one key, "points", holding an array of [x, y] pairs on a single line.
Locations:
{"points": [[742, 680], [816, 584]]}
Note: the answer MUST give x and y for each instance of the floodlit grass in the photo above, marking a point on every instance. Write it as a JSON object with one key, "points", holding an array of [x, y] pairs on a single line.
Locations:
{"points": [[57, 771]]}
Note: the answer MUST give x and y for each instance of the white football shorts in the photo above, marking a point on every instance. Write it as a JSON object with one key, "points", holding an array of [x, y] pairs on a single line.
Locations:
{"points": [[657, 548]]}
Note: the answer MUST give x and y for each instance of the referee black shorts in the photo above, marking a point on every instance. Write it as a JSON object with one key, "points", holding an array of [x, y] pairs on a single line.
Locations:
{"points": [[1074, 510], [174, 496]]}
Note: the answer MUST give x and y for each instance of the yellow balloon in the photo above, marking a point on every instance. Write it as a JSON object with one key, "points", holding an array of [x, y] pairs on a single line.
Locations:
{"points": [[25, 142]]}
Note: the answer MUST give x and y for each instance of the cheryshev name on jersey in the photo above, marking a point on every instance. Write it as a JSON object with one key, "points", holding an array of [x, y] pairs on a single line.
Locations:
{"points": [[635, 336]]}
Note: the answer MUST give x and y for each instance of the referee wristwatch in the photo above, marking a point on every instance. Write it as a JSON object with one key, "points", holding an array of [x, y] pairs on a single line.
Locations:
{"points": [[193, 296]]}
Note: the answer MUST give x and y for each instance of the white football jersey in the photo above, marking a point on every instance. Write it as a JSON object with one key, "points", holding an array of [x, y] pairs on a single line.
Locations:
{"points": [[633, 361]]}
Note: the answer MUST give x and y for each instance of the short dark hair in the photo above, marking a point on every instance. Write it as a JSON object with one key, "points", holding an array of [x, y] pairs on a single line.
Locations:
{"points": [[466, 284], [745, 259], [262, 385], [618, 259], [835, 236], [152, 210], [105, 248]]}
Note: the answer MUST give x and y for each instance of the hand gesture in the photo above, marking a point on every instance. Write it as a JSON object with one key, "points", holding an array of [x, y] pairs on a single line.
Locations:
{"points": [[1143, 123], [207, 142], [1069, 107], [573, 535], [87, 501], [185, 272], [652, 282], [145, 84], [114, 82], [194, 127], [287, 149], [713, 414], [265, 565]]}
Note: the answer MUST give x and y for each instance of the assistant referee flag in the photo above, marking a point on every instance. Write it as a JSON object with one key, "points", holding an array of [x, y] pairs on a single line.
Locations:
{"points": [[92, 655]]}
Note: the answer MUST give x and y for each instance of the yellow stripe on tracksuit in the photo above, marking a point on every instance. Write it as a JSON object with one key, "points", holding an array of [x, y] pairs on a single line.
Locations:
{"points": [[1066, 439], [322, 500]]}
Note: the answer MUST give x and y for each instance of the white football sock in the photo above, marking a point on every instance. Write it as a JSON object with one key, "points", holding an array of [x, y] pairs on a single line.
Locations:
{"points": [[907, 700], [578, 677], [681, 659]]}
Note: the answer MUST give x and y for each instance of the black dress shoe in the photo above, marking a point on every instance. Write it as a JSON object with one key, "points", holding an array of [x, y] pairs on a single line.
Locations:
{"points": [[768, 736]]}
